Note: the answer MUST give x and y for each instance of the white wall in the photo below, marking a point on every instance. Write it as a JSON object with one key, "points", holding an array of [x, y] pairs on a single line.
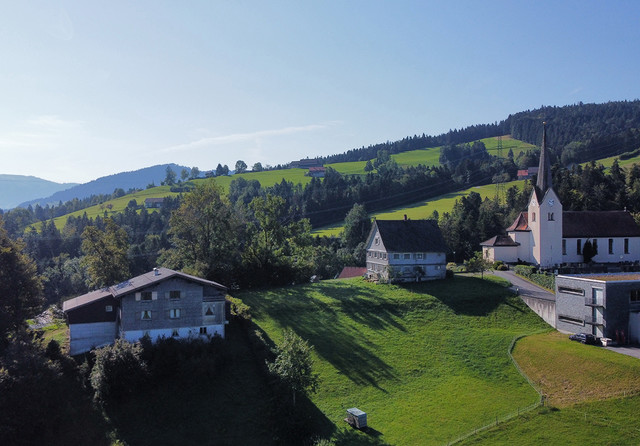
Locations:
{"points": [[183, 332], [84, 337]]}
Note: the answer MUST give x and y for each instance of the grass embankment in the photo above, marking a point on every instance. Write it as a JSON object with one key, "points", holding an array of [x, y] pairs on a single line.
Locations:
{"points": [[427, 362], [585, 386]]}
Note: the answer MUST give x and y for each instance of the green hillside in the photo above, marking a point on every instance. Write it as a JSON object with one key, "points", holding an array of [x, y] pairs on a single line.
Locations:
{"points": [[427, 362], [424, 209]]}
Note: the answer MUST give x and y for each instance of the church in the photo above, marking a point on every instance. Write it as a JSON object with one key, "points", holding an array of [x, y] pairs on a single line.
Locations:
{"points": [[549, 237]]}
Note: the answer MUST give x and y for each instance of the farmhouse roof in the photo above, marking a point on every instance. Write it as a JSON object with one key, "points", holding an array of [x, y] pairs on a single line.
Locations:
{"points": [[410, 235], [598, 224], [134, 284], [500, 240], [352, 271], [521, 223]]}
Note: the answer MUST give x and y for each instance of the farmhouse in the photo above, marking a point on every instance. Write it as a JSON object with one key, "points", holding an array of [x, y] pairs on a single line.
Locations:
{"points": [[162, 302], [406, 250], [547, 236], [153, 202], [605, 305]]}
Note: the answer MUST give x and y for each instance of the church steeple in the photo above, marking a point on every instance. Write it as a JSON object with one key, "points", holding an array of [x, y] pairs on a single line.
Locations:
{"points": [[544, 169]]}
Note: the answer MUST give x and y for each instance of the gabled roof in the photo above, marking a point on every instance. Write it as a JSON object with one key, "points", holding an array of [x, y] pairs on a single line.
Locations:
{"points": [[500, 240], [352, 271], [521, 223], [585, 224], [410, 235], [134, 284]]}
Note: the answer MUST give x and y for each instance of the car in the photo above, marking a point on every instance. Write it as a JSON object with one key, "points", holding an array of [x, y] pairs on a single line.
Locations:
{"points": [[585, 338]]}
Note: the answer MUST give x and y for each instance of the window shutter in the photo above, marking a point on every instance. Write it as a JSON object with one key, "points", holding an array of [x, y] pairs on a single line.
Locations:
{"points": [[154, 295], [138, 295]]}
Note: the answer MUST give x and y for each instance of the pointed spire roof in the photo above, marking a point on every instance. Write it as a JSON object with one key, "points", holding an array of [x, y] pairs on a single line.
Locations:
{"points": [[544, 169]]}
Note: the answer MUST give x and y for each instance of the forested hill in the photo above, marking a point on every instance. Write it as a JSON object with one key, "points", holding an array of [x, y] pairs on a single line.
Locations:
{"points": [[577, 133], [138, 179]]}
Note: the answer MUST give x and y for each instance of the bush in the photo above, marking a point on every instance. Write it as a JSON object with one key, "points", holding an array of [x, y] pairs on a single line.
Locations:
{"points": [[497, 264], [119, 371], [524, 270], [503, 267]]}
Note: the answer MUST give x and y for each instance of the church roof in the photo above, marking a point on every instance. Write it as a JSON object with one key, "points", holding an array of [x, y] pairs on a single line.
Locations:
{"points": [[500, 240], [544, 169], [585, 224], [521, 223]]}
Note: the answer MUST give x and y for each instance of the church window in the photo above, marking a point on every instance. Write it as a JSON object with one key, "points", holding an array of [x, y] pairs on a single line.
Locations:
{"points": [[550, 216], [564, 247], [579, 247], [533, 216], [626, 246], [610, 246]]}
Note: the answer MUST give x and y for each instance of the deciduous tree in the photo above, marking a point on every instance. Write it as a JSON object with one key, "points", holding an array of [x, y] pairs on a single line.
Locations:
{"points": [[106, 254]]}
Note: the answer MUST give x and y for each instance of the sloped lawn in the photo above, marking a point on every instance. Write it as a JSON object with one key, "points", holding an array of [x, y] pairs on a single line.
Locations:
{"points": [[427, 362]]}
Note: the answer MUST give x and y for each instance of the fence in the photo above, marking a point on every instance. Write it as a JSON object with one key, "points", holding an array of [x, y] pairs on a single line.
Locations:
{"points": [[504, 418]]}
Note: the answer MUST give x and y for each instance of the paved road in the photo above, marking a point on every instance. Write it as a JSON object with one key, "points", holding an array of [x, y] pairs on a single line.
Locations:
{"points": [[524, 287]]}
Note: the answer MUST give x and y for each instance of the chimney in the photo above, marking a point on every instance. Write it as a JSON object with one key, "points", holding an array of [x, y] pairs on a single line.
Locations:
{"points": [[156, 272]]}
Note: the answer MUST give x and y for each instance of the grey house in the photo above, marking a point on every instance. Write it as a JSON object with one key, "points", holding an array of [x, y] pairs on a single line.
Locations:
{"points": [[605, 305], [162, 302], [406, 250]]}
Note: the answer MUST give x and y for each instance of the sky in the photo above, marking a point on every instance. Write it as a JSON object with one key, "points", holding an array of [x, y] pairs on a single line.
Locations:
{"points": [[89, 89]]}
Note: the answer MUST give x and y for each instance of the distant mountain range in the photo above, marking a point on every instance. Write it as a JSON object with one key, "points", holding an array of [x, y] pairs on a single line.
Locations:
{"points": [[14, 189], [20, 191]]}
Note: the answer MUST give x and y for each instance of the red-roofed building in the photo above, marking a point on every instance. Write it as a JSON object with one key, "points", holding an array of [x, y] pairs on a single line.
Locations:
{"points": [[352, 271]]}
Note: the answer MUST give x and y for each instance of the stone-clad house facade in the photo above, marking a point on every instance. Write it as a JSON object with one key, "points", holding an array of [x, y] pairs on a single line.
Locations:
{"points": [[406, 250], [162, 302]]}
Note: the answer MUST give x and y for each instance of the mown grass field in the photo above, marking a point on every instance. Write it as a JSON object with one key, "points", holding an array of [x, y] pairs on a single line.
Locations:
{"points": [[422, 209], [593, 393], [427, 362]]}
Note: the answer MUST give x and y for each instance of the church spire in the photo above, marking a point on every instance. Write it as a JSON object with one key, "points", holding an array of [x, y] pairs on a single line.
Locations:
{"points": [[544, 169]]}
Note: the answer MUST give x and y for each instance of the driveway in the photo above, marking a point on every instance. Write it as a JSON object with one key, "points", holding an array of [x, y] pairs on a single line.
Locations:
{"points": [[525, 288]]}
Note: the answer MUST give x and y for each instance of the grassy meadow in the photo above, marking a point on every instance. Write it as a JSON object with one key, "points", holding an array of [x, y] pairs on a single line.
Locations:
{"points": [[423, 209], [428, 362], [591, 392]]}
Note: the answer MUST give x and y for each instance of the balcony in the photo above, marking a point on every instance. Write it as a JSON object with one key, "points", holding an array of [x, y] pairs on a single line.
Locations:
{"points": [[594, 321], [591, 302]]}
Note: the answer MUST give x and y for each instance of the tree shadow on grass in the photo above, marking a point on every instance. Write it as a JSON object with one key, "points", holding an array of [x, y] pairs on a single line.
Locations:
{"points": [[471, 296], [331, 324]]}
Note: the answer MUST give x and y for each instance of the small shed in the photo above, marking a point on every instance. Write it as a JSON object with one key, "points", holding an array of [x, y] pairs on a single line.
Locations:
{"points": [[356, 418]]}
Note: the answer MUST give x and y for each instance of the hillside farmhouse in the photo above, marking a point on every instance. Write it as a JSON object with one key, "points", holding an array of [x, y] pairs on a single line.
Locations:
{"points": [[605, 305], [406, 250], [162, 302], [549, 237]]}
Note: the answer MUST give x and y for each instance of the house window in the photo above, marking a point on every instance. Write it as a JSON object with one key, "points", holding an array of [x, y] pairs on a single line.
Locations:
{"points": [[550, 216], [384, 255], [579, 247], [174, 313], [564, 247], [419, 256], [567, 290], [396, 256], [146, 315], [571, 320], [203, 330], [407, 256], [175, 333], [209, 311], [174, 294], [146, 295], [108, 308], [610, 246], [533, 216], [634, 295], [377, 241], [626, 246], [595, 245]]}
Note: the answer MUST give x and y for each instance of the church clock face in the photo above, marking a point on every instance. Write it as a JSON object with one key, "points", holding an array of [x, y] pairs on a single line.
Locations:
{"points": [[551, 202]]}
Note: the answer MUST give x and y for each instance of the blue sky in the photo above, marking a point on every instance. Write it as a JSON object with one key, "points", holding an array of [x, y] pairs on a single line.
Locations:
{"points": [[88, 89]]}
